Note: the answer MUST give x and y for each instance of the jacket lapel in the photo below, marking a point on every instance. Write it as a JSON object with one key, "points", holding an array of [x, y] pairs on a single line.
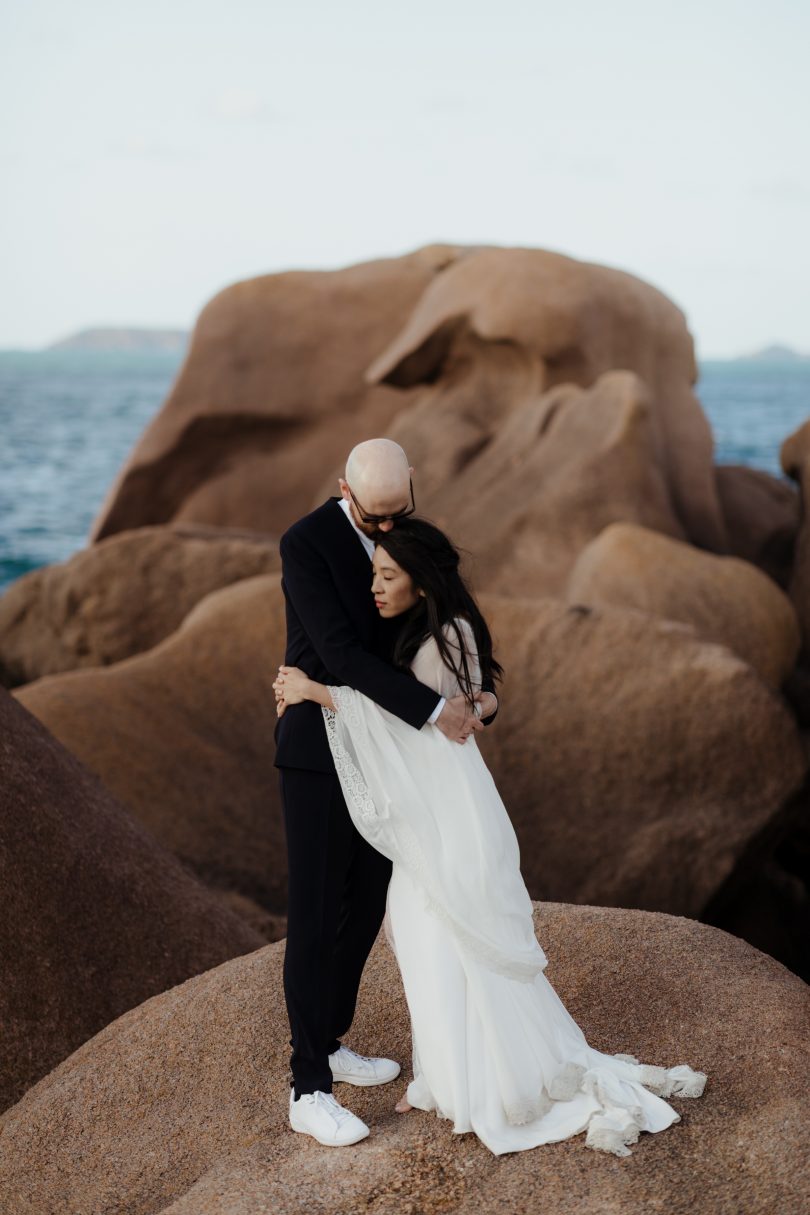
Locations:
{"points": [[351, 567]]}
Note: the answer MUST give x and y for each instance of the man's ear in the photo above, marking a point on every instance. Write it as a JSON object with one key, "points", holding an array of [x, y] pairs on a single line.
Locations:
{"points": [[344, 488]]}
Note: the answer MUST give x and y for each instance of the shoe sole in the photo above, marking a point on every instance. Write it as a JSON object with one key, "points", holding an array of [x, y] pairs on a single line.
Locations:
{"points": [[329, 1142], [362, 1081]]}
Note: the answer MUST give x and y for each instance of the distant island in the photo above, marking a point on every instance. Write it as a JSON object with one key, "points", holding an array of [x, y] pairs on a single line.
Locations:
{"points": [[137, 341], [774, 354]]}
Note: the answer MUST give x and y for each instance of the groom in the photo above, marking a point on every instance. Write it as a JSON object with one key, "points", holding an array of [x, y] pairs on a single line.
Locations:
{"points": [[337, 881]]}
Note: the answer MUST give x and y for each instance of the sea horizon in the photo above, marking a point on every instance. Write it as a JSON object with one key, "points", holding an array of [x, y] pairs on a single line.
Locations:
{"points": [[71, 417]]}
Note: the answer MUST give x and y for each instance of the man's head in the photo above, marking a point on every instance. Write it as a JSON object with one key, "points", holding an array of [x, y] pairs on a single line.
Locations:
{"points": [[377, 482]]}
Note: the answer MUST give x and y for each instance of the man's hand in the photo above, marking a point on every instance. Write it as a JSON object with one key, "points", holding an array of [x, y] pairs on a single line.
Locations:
{"points": [[457, 720], [487, 703]]}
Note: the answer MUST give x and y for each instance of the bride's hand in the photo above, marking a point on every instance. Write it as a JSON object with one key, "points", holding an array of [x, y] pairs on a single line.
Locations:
{"points": [[290, 687], [456, 721]]}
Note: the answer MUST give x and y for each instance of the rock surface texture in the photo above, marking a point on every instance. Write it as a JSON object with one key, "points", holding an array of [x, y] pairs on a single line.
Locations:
{"points": [[96, 916], [119, 597], [181, 1104], [183, 735], [635, 759], [761, 513], [795, 457], [270, 396], [725, 599], [559, 470]]}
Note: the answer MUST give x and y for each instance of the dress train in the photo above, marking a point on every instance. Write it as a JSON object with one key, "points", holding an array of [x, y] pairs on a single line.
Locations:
{"points": [[482, 1041], [494, 1048]]}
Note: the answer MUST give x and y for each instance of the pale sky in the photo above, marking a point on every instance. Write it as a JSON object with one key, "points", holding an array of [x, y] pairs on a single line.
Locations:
{"points": [[154, 152]]}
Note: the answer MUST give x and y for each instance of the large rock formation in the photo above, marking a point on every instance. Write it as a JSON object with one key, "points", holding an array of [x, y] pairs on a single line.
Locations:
{"points": [[766, 898], [183, 735], [181, 1105], [725, 599], [761, 514], [558, 471], [96, 916], [270, 395], [635, 760], [286, 372], [119, 597], [544, 402], [795, 458], [559, 321]]}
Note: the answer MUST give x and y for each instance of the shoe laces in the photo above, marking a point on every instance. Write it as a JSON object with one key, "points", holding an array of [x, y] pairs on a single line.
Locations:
{"points": [[351, 1055], [333, 1107]]}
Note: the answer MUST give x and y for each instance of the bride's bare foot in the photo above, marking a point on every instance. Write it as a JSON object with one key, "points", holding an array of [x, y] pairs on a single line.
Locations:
{"points": [[403, 1105]]}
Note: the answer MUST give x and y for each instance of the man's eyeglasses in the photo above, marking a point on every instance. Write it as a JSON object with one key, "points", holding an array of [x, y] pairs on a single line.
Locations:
{"points": [[400, 514]]}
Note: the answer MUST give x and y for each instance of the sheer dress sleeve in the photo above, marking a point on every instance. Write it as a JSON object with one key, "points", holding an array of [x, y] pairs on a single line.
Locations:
{"points": [[429, 667]]}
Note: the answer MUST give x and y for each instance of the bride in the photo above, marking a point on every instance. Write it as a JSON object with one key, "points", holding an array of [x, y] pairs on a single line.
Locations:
{"points": [[494, 1048]]}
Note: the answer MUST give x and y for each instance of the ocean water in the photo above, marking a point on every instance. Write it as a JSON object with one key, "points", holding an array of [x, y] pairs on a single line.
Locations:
{"points": [[68, 419], [752, 407]]}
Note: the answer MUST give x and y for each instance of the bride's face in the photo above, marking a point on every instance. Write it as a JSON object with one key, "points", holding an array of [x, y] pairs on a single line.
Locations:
{"points": [[393, 590]]}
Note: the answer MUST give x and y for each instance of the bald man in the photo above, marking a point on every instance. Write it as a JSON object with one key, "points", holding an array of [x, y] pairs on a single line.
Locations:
{"points": [[337, 881]]}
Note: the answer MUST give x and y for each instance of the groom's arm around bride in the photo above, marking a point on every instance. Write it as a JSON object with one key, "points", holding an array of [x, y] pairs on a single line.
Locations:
{"points": [[333, 635]]}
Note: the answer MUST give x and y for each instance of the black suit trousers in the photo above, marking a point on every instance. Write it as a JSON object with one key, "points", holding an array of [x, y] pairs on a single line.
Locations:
{"points": [[337, 893]]}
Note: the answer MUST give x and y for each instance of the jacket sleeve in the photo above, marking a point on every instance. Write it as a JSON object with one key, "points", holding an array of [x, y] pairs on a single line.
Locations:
{"points": [[311, 590], [488, 685]]}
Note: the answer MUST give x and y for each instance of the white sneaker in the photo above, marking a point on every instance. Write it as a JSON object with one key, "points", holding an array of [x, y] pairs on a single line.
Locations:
{"points": [[318, 1114], [350, 1068]]}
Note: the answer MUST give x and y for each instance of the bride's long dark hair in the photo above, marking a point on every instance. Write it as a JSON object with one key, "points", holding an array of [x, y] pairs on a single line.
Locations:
{"points": [[432, 561]]}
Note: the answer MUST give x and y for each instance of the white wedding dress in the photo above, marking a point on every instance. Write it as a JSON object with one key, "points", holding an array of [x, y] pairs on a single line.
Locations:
{"points": [[494, 1048]]}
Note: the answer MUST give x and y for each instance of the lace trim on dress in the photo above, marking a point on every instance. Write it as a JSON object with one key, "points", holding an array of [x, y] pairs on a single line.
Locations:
{"points": [[616, 1123], [350, 776], [611, 1127], [356, 791]]}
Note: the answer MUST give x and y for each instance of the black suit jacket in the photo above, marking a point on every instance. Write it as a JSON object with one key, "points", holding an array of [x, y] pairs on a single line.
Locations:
{"points": [[336, 635]]}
